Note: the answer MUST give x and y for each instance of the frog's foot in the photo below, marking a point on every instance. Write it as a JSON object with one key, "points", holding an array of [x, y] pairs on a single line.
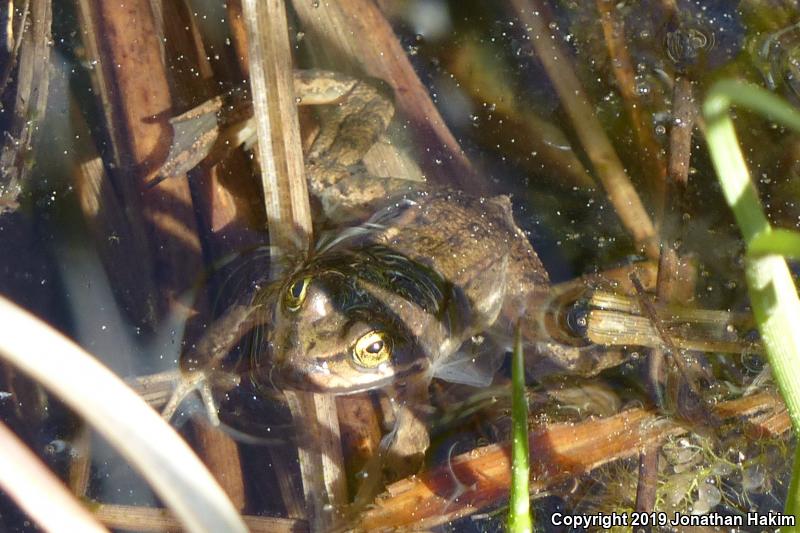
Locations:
{"points": [[188, 384]]}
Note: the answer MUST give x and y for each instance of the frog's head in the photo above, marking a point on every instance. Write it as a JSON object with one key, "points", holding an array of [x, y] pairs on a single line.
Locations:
{"points": [[355, 322]]}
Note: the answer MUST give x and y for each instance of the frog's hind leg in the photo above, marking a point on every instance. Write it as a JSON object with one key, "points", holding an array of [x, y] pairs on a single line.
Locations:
{"points": [[350, 128]]}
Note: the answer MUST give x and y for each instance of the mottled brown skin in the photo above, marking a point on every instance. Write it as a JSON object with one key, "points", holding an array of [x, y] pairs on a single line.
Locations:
{"points": [[474, 243], [433, 270], [467, 249], [468, 265]]}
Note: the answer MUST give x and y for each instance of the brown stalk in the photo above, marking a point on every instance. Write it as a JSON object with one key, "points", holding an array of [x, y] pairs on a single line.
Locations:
{"points": [[482, 476], [279, 146], [477, 72], [16, 18], [622, 66], [558, 452], [110, 228], [132, 518], [185, 57], [361, 433], [32, 59], [81, 464], [601, 153], [354, 37], [676, 276], [121, 40], [289, 218]]}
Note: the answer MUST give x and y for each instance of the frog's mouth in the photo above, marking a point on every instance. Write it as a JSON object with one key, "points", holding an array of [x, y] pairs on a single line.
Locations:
{"points": [[325, 378]]}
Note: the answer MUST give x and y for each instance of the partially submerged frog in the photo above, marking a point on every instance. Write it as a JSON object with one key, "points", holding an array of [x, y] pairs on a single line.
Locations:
{"points": [[398, 301], [399, 298]]}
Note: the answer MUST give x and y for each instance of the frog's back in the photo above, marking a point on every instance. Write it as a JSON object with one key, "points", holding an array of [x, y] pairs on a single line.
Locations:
{"points": [[472, 242]]}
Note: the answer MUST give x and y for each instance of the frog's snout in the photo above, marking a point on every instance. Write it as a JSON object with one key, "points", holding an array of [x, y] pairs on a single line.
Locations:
{"points": [[305, 377]]}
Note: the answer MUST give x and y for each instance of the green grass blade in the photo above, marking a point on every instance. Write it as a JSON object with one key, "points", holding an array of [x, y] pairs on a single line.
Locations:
{"points": [[519, 514], [778, 241], [773, 295]]}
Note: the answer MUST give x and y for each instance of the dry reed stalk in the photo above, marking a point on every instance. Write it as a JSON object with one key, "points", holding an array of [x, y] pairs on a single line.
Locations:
{"points": [[108, 223], [320, 456], [32, 60], [361, 433], [191, 82], [482, 476], [16, 19], [122, 41], [220, 454], [354, 37], [289, 219], [649, 151], [81, 465], [38, 491], [676, 276], [670, 282], [132, 518], [239, 35], [601, 153], [619, 278], [766, 415], [685, 116], [558, 452], [282, 459], [275, 109]]}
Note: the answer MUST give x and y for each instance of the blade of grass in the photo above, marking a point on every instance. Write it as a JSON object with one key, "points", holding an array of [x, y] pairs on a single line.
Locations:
{"points": [[519, 513], [778, 241], [119, 415], [773, 295]]}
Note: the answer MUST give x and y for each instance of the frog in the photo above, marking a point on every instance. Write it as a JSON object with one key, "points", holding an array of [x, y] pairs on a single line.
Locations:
{"points": [[406, 287]]}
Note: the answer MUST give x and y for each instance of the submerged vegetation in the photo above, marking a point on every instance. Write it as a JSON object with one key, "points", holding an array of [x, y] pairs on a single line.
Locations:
{"points": [[659, 372]]}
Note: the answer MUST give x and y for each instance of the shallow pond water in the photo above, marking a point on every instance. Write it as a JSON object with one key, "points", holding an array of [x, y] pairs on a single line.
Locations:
{"points": [[585, 113]]}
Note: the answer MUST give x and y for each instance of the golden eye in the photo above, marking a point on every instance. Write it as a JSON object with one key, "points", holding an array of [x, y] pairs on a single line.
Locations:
{"points": [[372, 349], [296, 294]]}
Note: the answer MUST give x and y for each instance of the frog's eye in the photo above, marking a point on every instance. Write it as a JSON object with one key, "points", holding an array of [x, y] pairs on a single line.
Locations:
{"points": [[296, 294], [372, 349]]}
